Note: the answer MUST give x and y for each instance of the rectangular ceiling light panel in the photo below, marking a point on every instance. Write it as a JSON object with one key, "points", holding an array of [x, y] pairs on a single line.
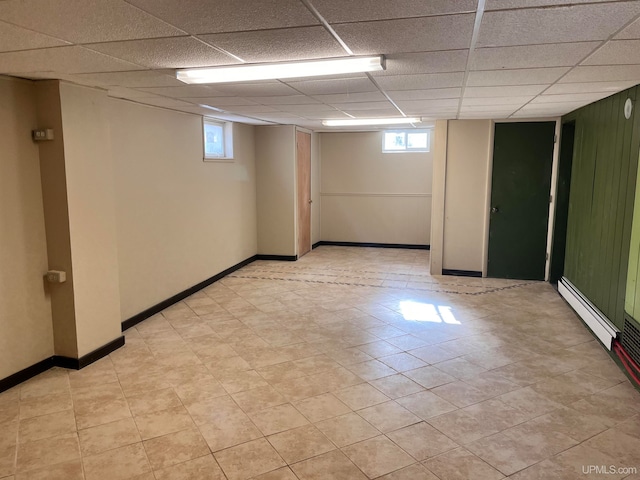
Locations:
{"points": [[370, 121], [272, 71]]}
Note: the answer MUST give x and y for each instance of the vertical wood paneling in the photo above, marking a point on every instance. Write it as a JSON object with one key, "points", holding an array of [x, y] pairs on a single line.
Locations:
{"points": [[605, 162]]}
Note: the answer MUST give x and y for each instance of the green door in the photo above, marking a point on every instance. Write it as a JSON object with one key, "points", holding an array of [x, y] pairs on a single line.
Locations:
{"points": [[520, 187]]}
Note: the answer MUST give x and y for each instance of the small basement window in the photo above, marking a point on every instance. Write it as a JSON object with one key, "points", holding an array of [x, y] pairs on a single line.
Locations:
{"points": [[218, 139], [394, 141]]}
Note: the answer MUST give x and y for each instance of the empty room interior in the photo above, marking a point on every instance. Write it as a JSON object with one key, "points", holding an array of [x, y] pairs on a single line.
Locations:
{"points": [[319, 239]]}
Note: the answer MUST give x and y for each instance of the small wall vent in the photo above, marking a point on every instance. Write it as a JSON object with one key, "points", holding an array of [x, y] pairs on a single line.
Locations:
{"points": [[631, 339]]}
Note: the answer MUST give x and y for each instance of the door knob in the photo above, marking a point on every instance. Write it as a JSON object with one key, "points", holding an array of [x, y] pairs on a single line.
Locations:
{"points": [[494, 210], [310, 201]]}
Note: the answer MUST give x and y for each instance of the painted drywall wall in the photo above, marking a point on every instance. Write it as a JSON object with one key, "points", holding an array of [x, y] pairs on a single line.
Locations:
{"points": [[25, 309], [276, 189], [316, 205], [180, 220], [601, 202], [466, 179], [370, 196], [92, 221], [439, 146]]}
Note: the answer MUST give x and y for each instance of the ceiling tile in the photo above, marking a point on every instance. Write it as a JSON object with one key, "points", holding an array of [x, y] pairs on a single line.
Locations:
{"points": [[69, 60], [256, 89], [319, 87], [362, 10], [496, 101], [277, 115], [425, 62], [278, 45], [612, 87], [555, 25], [357, 106], [285, 100], [335, 115], [13, 38], [497, 110], [302, 109], [231, 117], [571, 97], [176, 52], [138, 79], [184, 91], [377, 113], [163, 102], [630, 32], [122, 92], [428, 104], [424, 94], [408, 35], [509, 4], [562, 108], [530, 56], [529, 76], [420, 82], [85, 21], [249, 109], [203, 16], [506, 91], [596, 73], [222, 101], [617, 52], [483, 116], [351, 97]]}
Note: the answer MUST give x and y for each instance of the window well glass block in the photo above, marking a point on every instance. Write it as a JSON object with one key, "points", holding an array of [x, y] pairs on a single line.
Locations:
{"points": [[213, 140]]}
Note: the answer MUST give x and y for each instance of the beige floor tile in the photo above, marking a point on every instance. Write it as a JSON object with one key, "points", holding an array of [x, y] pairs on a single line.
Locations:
{"points": [[347, 429], [426, 404], [379, 349], [278, 419], [119, 464], [321, 407], [46, 426], [45, 384], [240, 381], [433, 354], [371, 370], [429, 377], [249, 460], [44, 405], [108, 436], [102, 413], [209, 410], [203, 468], [569, 422], [361, 396], [460, 464], [617, 444], [259, 398], [579, 459], [378, 456], [546, 470], [388, 416], [396, 386], [329, 466], [422, 441], [175, 448], [402, 362], [160, 423], [529, 402], [7, 461], [200, 390], [460, 368], [63, 471], [461, 394], [300, 443], [9, 434], [413, 472], [229, 430], [155, 401], [50, 451]]}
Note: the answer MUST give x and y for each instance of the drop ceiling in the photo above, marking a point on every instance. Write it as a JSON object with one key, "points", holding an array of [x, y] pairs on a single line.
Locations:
{"points": [[445, 58]]}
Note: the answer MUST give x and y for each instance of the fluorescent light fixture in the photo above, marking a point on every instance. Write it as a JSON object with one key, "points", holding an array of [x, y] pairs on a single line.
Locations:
{"points": [[270, 71], [353, 122]]}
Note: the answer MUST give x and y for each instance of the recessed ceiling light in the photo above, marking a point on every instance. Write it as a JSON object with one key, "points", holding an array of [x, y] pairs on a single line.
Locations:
{"points": [[271, 71], [370, 121]]}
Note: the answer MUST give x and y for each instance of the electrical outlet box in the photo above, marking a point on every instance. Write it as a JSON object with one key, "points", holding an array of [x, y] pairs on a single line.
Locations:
{"points": [[56, 276], [42, 134]]}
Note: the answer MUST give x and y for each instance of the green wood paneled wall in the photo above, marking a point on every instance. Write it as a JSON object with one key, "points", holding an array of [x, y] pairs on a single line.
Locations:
{"points": [[601, 203], [632, 298]]}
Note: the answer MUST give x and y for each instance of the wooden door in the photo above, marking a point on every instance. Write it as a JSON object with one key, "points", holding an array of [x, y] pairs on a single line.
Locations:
{"points": [[520, 188], [303, 158]]}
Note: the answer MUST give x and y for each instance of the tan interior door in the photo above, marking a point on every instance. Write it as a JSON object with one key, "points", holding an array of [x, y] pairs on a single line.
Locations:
{"points": [[303, 156]]}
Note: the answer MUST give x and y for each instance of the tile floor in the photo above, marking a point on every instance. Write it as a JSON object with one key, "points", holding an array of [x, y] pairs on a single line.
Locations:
{"points": [[348, 364]]}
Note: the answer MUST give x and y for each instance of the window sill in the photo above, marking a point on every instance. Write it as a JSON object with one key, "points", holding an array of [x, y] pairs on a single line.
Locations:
{"points": [[219, 159]]}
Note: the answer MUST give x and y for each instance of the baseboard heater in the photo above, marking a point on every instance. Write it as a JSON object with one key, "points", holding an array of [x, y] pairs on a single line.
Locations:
{"points": [[594, 318]]}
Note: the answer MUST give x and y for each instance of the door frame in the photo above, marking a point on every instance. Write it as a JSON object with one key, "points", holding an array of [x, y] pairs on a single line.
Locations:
{"points": [[554, 182], [295, 144]]}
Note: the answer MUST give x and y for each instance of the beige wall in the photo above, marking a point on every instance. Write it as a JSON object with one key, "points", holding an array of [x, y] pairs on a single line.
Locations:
{"points": [[179, 220], [466, 190], [25, 311], [92, 222], [276, 189], [368, 196]]}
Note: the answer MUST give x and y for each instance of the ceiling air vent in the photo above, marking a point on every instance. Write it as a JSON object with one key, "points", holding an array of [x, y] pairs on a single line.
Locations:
{"points": [[631, 339]]}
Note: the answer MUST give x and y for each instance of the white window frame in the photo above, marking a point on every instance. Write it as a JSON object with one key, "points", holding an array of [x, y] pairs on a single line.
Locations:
{"points": [[406, 131], [227, 145]]}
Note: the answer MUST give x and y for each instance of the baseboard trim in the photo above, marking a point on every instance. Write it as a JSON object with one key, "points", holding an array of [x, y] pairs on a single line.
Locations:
{"points": [[462, 273], [60, 361], [178, 297], [315, 245], [590, 315], [281, 258], [373, 245]]}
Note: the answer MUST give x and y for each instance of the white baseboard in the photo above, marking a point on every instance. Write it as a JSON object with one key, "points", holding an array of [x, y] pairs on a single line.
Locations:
{"points": [[594, 318]]}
